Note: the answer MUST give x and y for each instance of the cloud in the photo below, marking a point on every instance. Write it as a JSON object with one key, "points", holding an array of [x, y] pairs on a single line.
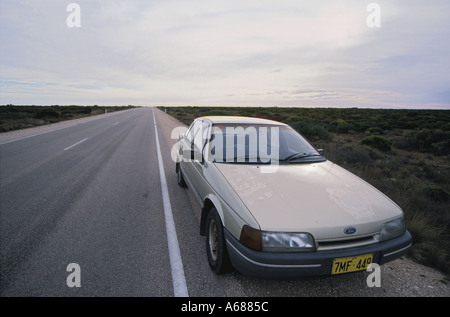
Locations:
{"points": [[229, 52]]}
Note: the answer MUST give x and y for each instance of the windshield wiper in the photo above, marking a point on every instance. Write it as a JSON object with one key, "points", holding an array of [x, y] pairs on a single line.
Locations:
{"points": [[296, 156]]}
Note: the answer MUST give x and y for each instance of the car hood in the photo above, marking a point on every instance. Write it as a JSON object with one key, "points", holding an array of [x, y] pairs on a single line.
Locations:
{"points": [[320, 198]]}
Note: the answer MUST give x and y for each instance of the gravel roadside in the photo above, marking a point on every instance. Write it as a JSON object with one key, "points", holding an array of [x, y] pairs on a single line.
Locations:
{"points": [[400, 278]]}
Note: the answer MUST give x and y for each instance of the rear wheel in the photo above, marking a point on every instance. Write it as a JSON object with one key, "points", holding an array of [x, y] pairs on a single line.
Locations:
{"points": [[216, 248]]}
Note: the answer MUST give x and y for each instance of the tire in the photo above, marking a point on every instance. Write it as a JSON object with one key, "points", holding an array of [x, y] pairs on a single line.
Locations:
{"points": [[180, 177], [216, 248]]}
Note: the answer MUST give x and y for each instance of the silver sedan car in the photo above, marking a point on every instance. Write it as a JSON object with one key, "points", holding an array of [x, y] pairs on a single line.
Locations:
{"points": [[274, 207]]}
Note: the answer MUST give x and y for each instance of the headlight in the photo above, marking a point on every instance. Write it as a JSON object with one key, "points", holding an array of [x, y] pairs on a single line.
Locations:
{"points": [[287, 242], [276, 241], [392, 229]]}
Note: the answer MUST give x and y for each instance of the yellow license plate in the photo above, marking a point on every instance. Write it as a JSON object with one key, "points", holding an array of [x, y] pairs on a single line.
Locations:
{"points": [[351, 264]]}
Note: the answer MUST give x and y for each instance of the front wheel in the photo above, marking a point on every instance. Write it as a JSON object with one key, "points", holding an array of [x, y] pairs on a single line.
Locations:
{"points": [[216, 248], [180, 177]]}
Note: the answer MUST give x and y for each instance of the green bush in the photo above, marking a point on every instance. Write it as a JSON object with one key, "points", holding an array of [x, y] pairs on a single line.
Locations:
{"points": [[311, 131], [377, 142], [86, 110], [46, 113], [339, 126], [434, 141], [441, 148], [375, 130], [352, 155], [436, 193]]}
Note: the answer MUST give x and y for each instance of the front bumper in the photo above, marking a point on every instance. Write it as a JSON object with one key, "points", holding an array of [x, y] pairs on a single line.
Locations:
{"points": [[301, 264]]}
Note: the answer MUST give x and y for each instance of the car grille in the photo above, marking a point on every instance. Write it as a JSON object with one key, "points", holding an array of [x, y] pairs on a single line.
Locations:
{"points": [[345, 243]]}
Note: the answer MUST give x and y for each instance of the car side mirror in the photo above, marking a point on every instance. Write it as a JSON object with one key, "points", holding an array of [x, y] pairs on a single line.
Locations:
{"points": [[321, 151]]}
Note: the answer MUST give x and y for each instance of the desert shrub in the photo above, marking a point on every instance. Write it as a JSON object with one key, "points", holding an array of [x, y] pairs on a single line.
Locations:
{"points": [[377, 142], [311, 131], [87, 110], [429, 241], [362, 125], [375, 130], [441, 148], [216, 112], [436, 193], [293, 119], [433, 173], [339, 126], [46, 113], [352, 155], [435, 141], [260, 113]]}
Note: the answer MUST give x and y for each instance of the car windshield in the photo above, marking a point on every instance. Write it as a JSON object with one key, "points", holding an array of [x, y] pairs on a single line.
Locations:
{"points": [[249, 143]]}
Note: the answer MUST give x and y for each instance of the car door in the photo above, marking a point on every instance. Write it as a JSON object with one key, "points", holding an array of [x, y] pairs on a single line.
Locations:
{"points": [[186, 145], [191, 149], [198, 163]]}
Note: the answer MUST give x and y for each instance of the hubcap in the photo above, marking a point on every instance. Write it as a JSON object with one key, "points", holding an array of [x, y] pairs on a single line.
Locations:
{"points": [[213, 240]]}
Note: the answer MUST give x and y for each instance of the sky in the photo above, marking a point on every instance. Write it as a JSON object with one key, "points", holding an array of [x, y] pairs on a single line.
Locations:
{"points": [[288, 53]]}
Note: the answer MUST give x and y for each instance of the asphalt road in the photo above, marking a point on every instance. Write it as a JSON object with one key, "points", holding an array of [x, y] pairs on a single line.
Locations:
{"points": [[91, 194]]}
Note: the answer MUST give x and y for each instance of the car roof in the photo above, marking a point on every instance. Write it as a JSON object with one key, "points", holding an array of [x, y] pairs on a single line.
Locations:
{"points": [[240, 120]]}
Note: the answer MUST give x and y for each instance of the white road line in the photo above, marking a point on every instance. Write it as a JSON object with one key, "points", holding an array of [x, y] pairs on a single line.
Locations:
{"points": [[69, 147], [116, 123], [176, 263]]}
